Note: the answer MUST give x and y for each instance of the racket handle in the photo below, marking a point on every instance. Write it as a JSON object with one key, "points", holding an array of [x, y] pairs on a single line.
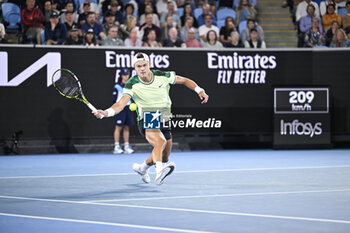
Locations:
{"points": [[93, 109]]}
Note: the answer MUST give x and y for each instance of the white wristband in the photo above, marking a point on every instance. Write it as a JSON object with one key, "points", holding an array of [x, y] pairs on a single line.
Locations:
{"points": [[198, 89], [110, 112]]}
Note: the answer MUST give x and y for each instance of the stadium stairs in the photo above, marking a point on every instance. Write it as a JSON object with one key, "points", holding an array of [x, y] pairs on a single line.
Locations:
{"points": [[277, 23]]}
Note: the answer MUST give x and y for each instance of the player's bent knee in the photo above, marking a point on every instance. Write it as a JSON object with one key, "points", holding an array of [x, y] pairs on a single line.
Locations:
{"points": [[162, 142]]}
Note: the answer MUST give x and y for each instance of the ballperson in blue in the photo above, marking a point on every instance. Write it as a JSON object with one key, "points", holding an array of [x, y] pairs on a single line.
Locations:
{"points": [[124, 119]]}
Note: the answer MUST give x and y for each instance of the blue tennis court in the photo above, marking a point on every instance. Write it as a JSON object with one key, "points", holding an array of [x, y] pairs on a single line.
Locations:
{"points": [[241, 191]]}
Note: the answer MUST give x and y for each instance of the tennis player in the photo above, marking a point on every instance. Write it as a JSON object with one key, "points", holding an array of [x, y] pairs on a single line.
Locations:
{"points": [[150, 91]]}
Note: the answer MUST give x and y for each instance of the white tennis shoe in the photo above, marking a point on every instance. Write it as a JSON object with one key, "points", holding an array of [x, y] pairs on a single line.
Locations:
{"points": [[117, 150], [144, 174], [167, 170], [128, 150]]}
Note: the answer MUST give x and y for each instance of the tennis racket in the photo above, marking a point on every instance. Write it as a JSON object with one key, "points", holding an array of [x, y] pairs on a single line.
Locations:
{"points": [[68, 85]]}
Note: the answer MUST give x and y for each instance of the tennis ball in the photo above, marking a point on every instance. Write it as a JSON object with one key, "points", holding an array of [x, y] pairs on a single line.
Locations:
{"points": [[133, 107]]}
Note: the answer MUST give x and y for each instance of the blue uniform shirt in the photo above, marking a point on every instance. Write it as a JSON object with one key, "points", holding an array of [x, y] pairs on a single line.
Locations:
{"points": [[118, 92]]}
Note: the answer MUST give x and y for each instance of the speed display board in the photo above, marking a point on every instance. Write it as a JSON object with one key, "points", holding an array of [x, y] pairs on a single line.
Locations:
{"points": [[301, 117]]}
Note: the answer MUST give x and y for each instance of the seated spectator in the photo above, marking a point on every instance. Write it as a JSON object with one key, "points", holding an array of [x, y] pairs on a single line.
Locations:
{"points": [[188, 12], [109, 22], [347, 31], [129, 11], [225, 31], [188, 25], [93, 7], [149, 8], [70, 22], [104, 5], [148, 25], [151, 39], [237, 2], [246, 32], [90, 38], [191, 41], [2, 31], [208, 26], [117, 14], [84, 14], [301, 9], [234, 41], [212, 7], [69, 8], [55, 32], [92, 24], [345, 18], [133, 39], [142, 9], [254, 42], [112, 38], [173, 40], [74, 38], [314, 36], [162, 7], [171, 12], [47, 10], [328, 18], [244, 11], [323, 6], [340, 40], [305, 24], [129, 25], [2, 34], [206, 11], [166, 28], [32, 19], [331, 33], [212, 40]]}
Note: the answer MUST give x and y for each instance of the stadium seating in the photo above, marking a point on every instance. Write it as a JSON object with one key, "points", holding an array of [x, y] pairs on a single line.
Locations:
{"points": [[220, 23], [180, 11], [42, 35], [342, 11], [11, 14], [221, 14], [197, 12], [242, 25]]}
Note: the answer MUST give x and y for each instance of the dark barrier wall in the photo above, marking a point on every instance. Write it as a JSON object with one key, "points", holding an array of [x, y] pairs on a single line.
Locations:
{"points": [[240, 84]]}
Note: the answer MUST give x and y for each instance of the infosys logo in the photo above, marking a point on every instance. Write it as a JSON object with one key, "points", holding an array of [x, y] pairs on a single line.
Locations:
{"points": [[300, 128]]}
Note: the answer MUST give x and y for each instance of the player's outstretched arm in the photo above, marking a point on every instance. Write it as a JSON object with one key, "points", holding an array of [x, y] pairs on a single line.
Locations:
{"points": [[114, 109], [193, 86]]}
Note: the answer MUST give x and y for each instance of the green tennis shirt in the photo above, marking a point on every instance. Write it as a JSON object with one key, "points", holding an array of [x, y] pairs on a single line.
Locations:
{"points": [[152, 96]]}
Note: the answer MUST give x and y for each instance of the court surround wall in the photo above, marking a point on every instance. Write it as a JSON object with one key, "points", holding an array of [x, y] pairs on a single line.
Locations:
{"points": [[240, 84]]}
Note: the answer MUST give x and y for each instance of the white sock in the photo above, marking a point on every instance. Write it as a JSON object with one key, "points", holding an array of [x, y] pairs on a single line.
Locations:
{"points": [[159, 166], [126, 144], [144, 166], [116, 144]]}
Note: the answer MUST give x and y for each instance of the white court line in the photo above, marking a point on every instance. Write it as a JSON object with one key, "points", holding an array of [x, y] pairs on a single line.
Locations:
{"points": [[219, 195], [103, 223], [179, 172], [188, 210]]}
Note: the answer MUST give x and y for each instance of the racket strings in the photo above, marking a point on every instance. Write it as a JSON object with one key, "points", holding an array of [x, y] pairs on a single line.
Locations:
{"points": [[67, 84]]}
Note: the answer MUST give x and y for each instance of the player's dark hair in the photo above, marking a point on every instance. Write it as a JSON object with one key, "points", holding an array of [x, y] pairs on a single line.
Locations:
{"points": [[139, 55]]}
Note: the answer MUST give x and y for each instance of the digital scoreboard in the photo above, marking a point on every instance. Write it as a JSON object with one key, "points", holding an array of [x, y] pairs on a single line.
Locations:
{"points": [[301, 117]]}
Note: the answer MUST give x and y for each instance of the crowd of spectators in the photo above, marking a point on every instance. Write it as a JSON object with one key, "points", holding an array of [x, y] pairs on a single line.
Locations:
{"points": [[323, 24], [148, 23]]}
